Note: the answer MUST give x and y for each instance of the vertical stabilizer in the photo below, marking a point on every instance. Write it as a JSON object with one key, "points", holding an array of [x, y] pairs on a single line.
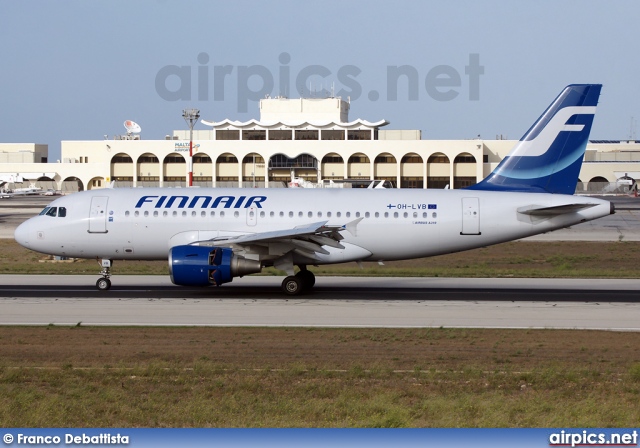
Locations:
{"points": [[549, 156]]}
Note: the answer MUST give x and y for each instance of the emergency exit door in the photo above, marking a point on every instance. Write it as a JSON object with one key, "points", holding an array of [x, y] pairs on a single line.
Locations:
{"points": [[470, 216], [252, 216]]}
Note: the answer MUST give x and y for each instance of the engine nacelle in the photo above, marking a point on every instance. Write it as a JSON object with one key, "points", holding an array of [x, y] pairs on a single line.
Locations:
{"points": [[205, 266]]}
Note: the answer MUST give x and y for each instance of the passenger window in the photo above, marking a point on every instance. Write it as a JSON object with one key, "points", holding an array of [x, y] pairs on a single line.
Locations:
{"points": [[415, 214], [184, 214], [137, 213], [319, 214], [357, 214], [310, 214], [395, 215], [155, 213], [377, 215], [127, 213], [406, 214], [338, 214], [165, 213], [175, 214], [146, 214], [203, 214], [213, 214], [348, 214], [290, 214], [328, 214], [222, 214], [236, 214], [366, 215], [271, 214], [62, 212], [281, 214], [53, 211], [262, 214], [424, 214], [386, 214], [300, 214]]}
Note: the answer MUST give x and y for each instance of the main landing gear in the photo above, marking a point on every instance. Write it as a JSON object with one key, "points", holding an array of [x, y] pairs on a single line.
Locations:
{"points": [[303, 281], [104, 283], [292, 285]]}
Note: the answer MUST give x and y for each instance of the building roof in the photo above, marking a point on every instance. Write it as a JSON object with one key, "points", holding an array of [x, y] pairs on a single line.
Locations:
{"points": [[253, 123]]}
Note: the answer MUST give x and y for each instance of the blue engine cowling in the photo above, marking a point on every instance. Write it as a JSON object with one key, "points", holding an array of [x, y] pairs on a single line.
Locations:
{"points": [[205, 266]]}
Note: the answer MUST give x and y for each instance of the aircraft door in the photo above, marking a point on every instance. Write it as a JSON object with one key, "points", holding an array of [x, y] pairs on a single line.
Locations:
{"points": [[470, 216], [252, 216], [98, 215]]}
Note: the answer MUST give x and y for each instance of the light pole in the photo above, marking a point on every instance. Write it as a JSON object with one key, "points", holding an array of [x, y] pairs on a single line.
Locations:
{"points": [[190, 116]]}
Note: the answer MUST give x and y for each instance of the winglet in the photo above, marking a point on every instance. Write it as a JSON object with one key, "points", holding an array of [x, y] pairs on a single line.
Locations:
{"points": [[352, 227]]}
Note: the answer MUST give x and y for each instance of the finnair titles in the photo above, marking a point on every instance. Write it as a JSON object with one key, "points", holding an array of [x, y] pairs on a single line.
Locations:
{"points": [[205, 201]]}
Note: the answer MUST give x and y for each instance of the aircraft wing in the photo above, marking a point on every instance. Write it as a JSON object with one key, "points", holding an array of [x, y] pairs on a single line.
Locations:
{"points": [[307, 240]]}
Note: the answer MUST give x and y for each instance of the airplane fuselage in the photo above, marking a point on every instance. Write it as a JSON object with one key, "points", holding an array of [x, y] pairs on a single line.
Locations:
{"points": [[393, 224]]}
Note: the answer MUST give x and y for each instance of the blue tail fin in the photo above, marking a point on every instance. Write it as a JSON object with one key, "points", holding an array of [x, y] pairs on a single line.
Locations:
{"points": [[549, 155]]}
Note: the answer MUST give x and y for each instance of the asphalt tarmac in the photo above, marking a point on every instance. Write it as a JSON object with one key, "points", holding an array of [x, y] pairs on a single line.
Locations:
{"points": [[334, 302]]}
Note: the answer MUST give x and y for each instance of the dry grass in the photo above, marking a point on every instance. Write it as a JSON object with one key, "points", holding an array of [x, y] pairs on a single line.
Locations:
{"points": [[236, 377], [243, 377]]}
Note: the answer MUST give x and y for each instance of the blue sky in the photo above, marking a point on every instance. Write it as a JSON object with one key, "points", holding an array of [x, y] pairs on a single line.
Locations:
{"points": [[75, 70]]}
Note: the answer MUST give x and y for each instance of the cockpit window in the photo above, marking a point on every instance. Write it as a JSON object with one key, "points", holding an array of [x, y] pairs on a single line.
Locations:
{"points": [[60, 212]]}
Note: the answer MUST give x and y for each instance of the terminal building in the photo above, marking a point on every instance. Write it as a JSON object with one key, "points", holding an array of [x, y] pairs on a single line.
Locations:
{"points": [[310, 140]]}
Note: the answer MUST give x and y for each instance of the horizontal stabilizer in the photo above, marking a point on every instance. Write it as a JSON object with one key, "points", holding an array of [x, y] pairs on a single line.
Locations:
{"points": [[536, 210]]}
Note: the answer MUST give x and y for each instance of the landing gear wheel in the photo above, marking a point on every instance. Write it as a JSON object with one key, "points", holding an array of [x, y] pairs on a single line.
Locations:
{"points": [[103, 284], [307, 277], [292, 285]]}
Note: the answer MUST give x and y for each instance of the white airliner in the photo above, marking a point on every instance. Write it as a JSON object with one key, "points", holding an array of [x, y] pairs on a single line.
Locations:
{"points": [[211, 235], [31, 190]]}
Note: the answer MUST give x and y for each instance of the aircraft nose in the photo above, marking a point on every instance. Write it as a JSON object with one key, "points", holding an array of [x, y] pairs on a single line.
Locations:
{"points": [[23, 234]]}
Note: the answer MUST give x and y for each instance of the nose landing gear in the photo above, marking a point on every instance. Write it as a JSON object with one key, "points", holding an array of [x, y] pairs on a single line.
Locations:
{"points": [[103, 284]]}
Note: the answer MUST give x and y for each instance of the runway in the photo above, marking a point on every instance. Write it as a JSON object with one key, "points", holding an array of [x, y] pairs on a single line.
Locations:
{"points": [[335, 302]]}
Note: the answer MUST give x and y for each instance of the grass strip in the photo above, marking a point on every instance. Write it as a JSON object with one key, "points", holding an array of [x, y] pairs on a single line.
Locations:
{"points": [[516, 259], [277, 377]]}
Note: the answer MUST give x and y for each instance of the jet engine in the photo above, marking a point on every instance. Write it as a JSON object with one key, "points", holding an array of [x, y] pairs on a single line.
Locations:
{"points": [[205, 266]]}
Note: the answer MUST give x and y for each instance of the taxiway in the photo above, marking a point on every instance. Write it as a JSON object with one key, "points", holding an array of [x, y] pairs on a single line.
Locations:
{"points": [[335, 302]]}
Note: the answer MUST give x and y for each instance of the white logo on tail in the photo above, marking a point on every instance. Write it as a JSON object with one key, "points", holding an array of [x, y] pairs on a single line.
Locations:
{"points": [[542, 142]]}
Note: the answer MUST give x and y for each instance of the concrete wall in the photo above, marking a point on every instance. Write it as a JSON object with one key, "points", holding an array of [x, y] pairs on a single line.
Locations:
{"points": [[91, 161]]}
